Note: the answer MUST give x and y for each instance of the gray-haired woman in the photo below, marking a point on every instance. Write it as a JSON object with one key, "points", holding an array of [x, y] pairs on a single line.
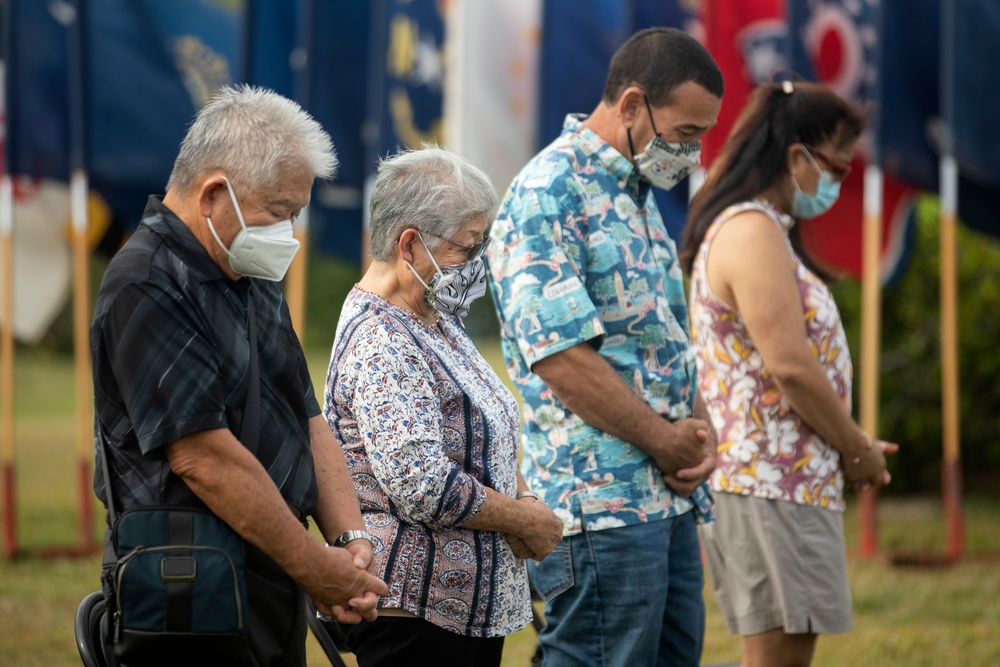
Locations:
{"points": [[429, 431]]}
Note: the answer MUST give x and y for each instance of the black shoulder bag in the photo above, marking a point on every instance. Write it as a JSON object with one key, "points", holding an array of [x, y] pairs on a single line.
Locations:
{"points": [[174, 579]]}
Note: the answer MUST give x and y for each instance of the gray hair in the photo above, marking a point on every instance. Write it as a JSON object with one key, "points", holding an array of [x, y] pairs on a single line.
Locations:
{"points": [[252, 134], [430, 189]]}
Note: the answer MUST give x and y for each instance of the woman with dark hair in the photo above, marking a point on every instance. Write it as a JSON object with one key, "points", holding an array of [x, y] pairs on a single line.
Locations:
{"points": [[775, 372]]}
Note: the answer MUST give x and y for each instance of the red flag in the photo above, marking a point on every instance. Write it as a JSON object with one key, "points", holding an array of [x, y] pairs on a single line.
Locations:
{"points": [[747, 38], [750, 41]]}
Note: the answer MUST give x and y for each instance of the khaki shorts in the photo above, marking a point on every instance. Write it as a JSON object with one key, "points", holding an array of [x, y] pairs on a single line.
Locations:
{"points": [[775, 564]]}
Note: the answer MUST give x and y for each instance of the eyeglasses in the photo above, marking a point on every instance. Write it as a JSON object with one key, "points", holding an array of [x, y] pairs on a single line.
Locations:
{"points": [[471, 251], [840, 169]]}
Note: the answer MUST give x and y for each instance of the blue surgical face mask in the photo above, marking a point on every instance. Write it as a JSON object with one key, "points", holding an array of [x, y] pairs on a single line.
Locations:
{"points": [[806, 206]]}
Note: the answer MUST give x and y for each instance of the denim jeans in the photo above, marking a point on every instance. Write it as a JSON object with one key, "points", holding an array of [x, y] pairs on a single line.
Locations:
{"points": [[624, 597]]}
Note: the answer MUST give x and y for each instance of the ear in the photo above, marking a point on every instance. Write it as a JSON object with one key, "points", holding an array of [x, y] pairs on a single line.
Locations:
{"points": [[407, 240], [212, 194], [630, 105], [795, 155]]}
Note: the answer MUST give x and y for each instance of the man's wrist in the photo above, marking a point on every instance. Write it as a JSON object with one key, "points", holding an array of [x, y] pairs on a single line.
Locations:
{"points": [[526, 494], [350, 536]]}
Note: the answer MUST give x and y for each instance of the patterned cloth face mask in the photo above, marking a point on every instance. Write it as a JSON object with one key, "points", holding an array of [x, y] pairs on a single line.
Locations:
{"points": [[453, 288], [664, 164], [805, 206]]}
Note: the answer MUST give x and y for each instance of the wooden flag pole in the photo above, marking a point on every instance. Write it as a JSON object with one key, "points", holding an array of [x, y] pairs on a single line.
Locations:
{"points": [[871, 338], [7, 365], [295, 285], [951, 471], [81, 358]]}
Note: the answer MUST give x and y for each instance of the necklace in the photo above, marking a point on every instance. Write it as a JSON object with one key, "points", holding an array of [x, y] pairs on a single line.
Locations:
{"points": [[420, 320]]}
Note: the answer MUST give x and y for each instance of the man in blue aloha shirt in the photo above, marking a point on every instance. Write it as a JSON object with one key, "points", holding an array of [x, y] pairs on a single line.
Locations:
{"points": [[595, 333]]}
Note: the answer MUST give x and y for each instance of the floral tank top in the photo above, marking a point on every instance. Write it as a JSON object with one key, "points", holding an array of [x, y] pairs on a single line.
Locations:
{"points": [[765, 449]]}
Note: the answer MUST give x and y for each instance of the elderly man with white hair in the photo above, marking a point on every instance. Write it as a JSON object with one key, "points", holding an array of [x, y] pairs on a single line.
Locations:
{"points": [[173, 370]]}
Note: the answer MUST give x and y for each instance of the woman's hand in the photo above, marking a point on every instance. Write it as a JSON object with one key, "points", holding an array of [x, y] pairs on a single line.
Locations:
{"points": [[542, 532], [866, 469], [519, 547]]}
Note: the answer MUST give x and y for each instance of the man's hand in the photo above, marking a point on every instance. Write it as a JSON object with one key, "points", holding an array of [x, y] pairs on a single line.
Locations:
{"points": [[341, 588], [686, 480], [684, 446]]}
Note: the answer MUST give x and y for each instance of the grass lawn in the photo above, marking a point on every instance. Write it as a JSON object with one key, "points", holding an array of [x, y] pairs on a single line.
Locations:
{"points": [[903, 616]]}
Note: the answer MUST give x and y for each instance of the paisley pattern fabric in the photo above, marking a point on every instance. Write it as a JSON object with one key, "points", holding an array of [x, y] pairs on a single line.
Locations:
{"points": [[765, 449], [426, 426], [580, 255]]}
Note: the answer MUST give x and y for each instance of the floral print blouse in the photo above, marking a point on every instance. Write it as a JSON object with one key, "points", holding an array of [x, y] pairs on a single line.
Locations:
{"points": [[765, 449], [426, 426]]}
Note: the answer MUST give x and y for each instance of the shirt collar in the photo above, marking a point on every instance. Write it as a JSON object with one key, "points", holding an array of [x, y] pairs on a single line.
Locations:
{"points": [[164, 223], [601, 152]]}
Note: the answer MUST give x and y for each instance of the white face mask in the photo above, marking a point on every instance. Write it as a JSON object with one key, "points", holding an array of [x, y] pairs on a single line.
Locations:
{"points": [[664, 164], [453, 288], [261, 251]]}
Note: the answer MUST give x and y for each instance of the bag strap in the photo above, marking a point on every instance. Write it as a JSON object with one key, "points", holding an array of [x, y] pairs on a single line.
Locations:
{"points": [[249, 428]]}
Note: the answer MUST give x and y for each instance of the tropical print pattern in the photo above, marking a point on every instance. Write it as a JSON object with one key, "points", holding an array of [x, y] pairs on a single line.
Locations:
{"points": [[580, 254], [426, 426], [765, 449]]}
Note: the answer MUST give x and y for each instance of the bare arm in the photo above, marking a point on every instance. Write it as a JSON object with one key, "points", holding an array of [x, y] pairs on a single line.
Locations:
{"points": [[233, 484], [771, 306], [338, 509], [530, 520], [590, 388]]}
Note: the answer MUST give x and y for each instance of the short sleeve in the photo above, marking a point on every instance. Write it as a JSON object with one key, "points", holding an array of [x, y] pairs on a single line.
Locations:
{"points": [[537, 264], [164, 364]]}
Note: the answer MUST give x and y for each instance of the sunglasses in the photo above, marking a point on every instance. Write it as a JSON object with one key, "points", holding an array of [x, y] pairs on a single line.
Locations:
{"points": [[840, 170], [471, 251]]}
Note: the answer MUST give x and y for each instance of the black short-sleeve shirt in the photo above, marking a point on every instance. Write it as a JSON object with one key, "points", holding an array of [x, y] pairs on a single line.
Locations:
{"points": [[171, 356]]}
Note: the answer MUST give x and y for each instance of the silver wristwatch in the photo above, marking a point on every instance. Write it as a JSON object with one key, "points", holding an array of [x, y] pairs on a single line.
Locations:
{"points": [[350, 536]]}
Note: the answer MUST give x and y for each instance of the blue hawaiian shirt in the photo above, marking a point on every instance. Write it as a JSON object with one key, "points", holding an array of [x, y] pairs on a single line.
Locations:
{"points": [[581, 255]]}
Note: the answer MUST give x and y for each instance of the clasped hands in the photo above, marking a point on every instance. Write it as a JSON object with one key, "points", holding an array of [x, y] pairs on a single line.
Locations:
{"points": [[346, 587], [540, 534], [687, 457]]}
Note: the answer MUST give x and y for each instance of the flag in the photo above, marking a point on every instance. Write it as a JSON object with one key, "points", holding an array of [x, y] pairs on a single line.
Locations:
{"points": [[835, 42], [270, 50], [579, 38], [911, 101], [339, 32], [749, 41], [37, 88], [491, 91], [150, 66]]}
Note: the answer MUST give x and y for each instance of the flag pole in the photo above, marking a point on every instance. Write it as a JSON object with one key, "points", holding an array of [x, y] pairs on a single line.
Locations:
{"points": [[871, 337], [871, 308], [7, 297], [81, 273], [296, 282], [951, 472]]}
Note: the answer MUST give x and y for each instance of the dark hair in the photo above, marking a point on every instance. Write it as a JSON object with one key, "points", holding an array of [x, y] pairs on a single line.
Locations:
{"points": [[755, 155], [659, 60]]}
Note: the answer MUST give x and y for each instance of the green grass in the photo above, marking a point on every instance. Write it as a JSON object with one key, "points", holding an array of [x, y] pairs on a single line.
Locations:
{"points": [[903, 616]]}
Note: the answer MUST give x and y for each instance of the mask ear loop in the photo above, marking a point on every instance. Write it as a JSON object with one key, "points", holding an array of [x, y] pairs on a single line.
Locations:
{"points": [[437, 269], [239, 216]]}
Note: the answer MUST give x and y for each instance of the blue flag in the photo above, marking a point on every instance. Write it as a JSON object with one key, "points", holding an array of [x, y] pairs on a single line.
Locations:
{"points": [[151, 65], [335, 92], [36, 86], [579, 37], [911, 101]]}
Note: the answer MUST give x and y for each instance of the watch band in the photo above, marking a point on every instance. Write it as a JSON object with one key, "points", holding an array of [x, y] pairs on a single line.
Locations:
{"points": [[350, 536], [526, 494]]}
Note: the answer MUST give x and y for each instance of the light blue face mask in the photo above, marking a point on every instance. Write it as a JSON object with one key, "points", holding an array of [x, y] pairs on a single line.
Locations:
{"points": [[805, 206]]}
